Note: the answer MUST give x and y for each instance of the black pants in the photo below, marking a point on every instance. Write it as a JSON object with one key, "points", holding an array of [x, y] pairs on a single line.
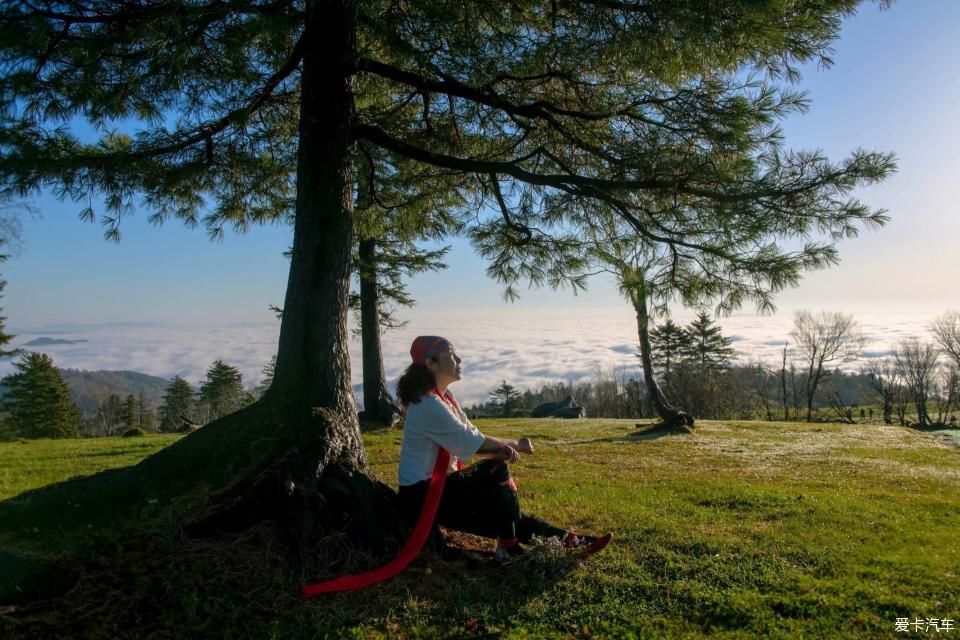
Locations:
{"points": [[481, 499]]}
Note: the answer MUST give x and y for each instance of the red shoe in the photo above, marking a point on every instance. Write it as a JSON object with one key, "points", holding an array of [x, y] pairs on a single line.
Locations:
{"points": [[572, 540], [596, 546]]}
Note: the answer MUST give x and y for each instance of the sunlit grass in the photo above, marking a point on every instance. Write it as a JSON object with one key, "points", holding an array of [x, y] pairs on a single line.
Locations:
{"points": [[29, 464], [745, 530]]}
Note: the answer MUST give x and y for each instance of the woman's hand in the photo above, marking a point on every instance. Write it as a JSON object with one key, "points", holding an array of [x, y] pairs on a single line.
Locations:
{"points": [[524, 445], [507, 453]]}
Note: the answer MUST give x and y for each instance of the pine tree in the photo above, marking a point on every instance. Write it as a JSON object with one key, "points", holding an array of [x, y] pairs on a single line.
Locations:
{"points": [[546, 117], [131, 412], [221, 393], [507, 400], [709, 348], [146, 417], [38, 403], [388, 253], [381, 266], [5, 337], [267, 380], [178, 405], [671, 344]]}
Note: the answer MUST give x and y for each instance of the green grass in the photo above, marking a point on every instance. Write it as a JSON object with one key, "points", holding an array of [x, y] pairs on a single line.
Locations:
{"points": [[30, 464], [739, 530]]}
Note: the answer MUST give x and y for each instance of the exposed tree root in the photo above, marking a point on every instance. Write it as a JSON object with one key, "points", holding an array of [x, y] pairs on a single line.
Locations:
{"points": [[298, 471]]}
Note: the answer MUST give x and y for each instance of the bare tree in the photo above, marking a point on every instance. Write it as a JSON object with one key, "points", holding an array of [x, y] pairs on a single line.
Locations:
{"points": [[901, 398], [783, 383], [752, 389], [946, 391], [946, 331], [826, 341], [795, 390], [840, 408], [764, 384], [917, 363], [882, 377]]}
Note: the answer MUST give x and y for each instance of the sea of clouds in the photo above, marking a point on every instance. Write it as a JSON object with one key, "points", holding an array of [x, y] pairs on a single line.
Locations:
{"points": [[524, 347]]}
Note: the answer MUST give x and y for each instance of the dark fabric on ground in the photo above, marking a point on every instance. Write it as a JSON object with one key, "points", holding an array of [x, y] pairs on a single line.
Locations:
{"points": [[482, 500]]}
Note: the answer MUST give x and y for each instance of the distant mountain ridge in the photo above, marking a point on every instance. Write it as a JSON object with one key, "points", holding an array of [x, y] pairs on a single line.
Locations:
{"points": [[86, 387], [45, 341]]}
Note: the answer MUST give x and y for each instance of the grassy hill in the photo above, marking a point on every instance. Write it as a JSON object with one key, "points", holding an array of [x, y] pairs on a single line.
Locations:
{"points": [[740, 530], [87, 386]]}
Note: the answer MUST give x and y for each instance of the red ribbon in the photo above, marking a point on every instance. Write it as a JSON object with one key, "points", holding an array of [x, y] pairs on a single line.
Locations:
{"points": [[416, 541], [409, 550]]}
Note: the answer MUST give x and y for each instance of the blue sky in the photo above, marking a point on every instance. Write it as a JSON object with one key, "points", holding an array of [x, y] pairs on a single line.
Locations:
{"points": [[891, 88]]}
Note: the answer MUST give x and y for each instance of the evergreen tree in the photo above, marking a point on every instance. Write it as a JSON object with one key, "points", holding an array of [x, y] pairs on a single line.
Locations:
{"points": [[507, 400], [221, 393], [5, 337], [381, 266], [146, 417], [38, 402], [639, 270], [131, 412], [267, 380], [671, 344], [178, 405], [248, 398], [556, 114], [387, 253], [709, 348]]}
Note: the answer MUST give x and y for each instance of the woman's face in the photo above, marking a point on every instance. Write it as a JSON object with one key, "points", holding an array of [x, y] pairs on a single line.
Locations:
{"points": [[445, 367]]}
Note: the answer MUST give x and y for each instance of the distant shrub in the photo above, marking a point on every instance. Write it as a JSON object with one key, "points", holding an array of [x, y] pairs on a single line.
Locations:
{"points": [[186, 428], [136, 432]]}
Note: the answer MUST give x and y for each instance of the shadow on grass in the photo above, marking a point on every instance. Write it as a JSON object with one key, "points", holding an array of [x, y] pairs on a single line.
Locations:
{"points": [[87, 513], [97, 556], [50, 514], [368, 426], [645, 432], [237, 586], [41, 525]]}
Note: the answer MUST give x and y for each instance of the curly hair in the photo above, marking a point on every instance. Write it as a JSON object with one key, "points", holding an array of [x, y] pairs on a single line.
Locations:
{"points": [[415, 382]]}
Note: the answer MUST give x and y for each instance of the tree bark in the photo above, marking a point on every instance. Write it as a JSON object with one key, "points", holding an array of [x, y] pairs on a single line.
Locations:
{"points": [[297, 455], [325, 475], [670, 416], [378, 405], [305, 463], [313, 366]]}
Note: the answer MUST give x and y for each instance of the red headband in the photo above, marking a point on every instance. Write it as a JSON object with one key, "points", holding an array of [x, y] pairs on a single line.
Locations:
{"points": [[424, 347]]}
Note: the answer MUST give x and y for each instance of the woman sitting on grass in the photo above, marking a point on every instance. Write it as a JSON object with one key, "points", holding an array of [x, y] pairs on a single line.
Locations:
{"points": [[480, 499]]}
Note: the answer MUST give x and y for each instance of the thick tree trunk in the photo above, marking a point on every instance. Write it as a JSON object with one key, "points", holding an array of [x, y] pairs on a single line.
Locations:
{"points": [[297, 455], [313, 366], [325, 475], [312, 472], [670, 416], [378, 406]]}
